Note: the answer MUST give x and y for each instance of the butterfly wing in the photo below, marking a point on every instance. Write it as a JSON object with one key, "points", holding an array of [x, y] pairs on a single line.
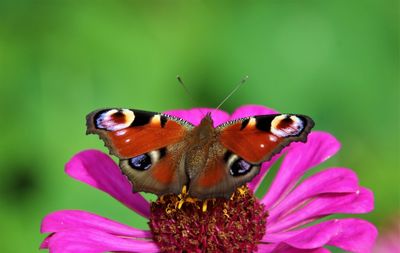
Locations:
{"points": [[240, 148], [220, 176], [256, 139], [149, 146]]}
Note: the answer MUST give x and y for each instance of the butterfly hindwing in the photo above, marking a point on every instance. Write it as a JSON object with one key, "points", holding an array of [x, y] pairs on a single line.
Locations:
{"points": [[222, 174], [147, 144]]}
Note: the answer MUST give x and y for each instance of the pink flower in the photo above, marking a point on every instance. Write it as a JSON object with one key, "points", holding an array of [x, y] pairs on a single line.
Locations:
{"points": [[388, 239], [289, 215]]}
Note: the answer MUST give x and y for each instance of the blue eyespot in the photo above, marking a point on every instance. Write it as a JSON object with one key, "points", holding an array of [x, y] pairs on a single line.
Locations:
{"points": [[240, 167], [140, 162]]}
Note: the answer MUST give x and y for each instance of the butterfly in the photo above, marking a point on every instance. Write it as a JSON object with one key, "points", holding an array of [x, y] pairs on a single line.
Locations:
{"points": [[160, 153]]}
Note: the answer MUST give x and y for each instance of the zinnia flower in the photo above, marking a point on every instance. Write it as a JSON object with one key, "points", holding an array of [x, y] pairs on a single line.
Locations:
{"points": [[288, 218]]}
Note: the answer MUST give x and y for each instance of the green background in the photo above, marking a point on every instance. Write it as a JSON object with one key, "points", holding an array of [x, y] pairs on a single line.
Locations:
{"points": [[337, 61]]}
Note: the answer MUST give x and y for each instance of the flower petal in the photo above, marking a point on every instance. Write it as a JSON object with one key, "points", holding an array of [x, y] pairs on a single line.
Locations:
{"points": [[251, 110], [300, 158], [333, 180], [284, 248], [195, 115], [360, 201], [45, 243], [95, 241], [99, 170], [354, 235], [65, 220]]}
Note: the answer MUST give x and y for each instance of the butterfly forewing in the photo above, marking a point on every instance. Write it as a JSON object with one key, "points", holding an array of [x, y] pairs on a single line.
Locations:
{"points": [[256, 139], [129, 133]]}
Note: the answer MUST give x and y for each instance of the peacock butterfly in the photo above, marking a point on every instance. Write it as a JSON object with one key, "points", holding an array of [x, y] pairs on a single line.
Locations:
{"points": [[160, 153]]}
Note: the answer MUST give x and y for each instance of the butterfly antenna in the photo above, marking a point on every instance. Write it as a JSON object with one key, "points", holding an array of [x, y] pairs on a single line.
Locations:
{"points": [[185, 88], [244, 79]]}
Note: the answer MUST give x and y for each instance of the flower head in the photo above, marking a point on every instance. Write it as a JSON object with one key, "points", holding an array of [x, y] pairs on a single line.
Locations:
{"points": [[285, 219]]}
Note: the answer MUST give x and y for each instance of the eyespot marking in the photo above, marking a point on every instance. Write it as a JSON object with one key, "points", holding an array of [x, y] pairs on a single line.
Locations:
{"points": [[145, 161], [285, 125], [114, 120], [140, 162], [240, 167], [237, 166]]}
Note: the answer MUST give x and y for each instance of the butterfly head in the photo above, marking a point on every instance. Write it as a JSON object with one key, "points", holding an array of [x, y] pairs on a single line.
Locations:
{"points": [[206, 127]]}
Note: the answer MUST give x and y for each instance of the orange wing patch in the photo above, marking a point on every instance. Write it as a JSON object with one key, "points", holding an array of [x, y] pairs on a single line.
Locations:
{"points": [[164, 171], [215, 173], [249, 143], [133, 141]]}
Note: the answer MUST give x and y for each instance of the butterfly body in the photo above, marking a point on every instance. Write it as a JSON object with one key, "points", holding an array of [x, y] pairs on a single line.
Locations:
{"points": [[160, 153]]}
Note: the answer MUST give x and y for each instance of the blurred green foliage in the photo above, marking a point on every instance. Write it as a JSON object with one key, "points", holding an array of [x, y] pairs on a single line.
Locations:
{"points": [[337, 61]]}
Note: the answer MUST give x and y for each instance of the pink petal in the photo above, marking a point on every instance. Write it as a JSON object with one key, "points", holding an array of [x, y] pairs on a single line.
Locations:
{"points": [[334, 180], [284, 248], [251, 110], [388, 241], [354, 235], [360, 201], [94, 241], [195, 115], [300, 158], [75, 219], [99, 170], [45, 243]]}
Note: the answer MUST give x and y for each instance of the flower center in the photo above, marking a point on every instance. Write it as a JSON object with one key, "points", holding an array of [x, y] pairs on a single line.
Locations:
{"points": [[180, 223]]}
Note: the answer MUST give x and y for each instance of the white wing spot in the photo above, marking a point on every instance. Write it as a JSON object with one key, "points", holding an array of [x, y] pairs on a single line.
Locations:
{"points": [[272, 138], [154, 155], [120, 132], [156, 119], [252, 122]]}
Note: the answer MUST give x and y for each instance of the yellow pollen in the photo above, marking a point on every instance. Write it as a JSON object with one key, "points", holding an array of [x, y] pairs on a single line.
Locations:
{"points": [[242, 190], [168, 209], [184, 190], [226, 213], [205, 205], [191, 200], [178, 201]]}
